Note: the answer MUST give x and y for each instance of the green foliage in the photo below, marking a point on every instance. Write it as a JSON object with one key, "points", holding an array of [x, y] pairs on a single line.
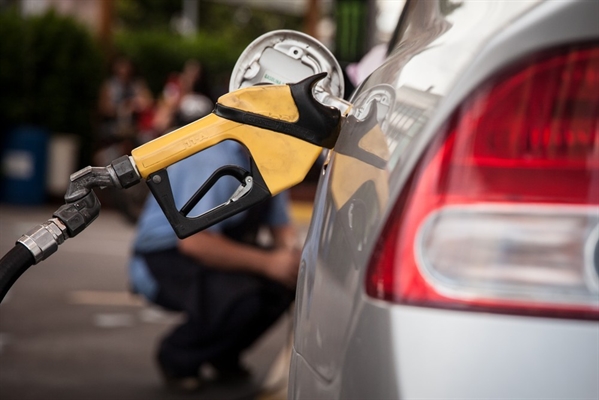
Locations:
{"points": [[243, 21], [144, 14], [225, 31], [157, 54], [50, 71], [13, 80]]}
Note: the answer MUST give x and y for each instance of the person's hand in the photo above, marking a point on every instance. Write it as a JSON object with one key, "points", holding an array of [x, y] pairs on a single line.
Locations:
{"points": [[282, 266]]}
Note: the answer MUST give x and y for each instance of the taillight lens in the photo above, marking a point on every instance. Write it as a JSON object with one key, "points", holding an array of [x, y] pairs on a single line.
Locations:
{"points": [[502, 211]]}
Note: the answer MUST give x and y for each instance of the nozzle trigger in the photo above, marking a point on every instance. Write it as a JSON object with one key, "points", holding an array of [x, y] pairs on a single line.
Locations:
{"points": [[251, 191], [242, 190]]}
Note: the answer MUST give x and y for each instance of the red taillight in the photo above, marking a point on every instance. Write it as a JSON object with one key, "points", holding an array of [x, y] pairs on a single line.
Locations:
{"points": [[502, 211]]}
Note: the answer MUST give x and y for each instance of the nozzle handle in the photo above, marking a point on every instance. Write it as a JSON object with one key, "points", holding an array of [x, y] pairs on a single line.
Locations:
{"points": [[185, 226]]}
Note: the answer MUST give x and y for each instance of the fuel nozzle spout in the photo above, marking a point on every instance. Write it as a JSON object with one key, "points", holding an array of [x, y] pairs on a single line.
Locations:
{"points": [[121, 173]]}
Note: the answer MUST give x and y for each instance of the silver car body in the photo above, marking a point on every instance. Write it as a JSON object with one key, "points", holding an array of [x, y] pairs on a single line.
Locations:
{"points": [[351, 346]]}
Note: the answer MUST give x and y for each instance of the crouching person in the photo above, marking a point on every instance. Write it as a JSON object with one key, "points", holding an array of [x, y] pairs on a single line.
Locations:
{"points": [[230, 288]]}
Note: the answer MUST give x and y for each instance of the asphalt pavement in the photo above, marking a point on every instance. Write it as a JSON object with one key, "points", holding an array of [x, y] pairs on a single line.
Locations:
{"points": [[70, 329]]}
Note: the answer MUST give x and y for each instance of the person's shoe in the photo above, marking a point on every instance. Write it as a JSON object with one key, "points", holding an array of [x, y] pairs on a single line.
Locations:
{"points": [[230, 372], [235, 373], [180, 383], [183, 384]]}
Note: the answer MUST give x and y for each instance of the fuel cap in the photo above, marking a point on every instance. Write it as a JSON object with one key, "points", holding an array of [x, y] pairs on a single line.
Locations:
{"points": [[286, 56]]}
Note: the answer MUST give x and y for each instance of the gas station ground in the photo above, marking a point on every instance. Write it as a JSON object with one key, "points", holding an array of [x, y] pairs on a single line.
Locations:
{"points": [[70, 329]]}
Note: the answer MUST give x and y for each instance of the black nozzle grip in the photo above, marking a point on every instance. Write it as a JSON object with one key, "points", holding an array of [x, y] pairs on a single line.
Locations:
{"points": [[317, 124], [323, 122], [185, 226]]}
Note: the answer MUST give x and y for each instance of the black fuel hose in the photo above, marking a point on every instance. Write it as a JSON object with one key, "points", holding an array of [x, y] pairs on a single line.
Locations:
{"points": [[12, 266]]}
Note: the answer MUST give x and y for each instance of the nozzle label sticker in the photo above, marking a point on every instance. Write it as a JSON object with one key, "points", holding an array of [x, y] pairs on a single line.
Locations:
{"points": [[273, 78]]}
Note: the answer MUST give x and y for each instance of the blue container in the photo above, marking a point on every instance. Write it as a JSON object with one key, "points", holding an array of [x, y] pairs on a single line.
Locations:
{"points": [[23, 159]]}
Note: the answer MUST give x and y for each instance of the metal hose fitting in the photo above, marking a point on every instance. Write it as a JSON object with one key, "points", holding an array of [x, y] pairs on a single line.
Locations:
{"points": [[44, 239]]}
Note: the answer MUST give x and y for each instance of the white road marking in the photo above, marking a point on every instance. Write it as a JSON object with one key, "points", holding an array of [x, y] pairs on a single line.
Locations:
{"points": [[154, 316], [104, 298], [113, 320]]}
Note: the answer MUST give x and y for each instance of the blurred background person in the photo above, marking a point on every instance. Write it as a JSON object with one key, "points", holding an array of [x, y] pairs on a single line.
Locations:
{"points": [[124, 101], [183, 98], [126, 120]]}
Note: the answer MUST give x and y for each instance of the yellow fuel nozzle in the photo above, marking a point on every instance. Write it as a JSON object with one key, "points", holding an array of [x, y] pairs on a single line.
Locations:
{"points": [[283, 127]]}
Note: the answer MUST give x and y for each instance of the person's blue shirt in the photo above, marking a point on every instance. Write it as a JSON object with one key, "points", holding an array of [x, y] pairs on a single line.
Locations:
{"points": [[154, 233]]}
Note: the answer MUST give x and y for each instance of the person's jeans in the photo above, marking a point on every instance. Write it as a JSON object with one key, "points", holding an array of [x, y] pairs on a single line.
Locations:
{"points": [[225, 311]]}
